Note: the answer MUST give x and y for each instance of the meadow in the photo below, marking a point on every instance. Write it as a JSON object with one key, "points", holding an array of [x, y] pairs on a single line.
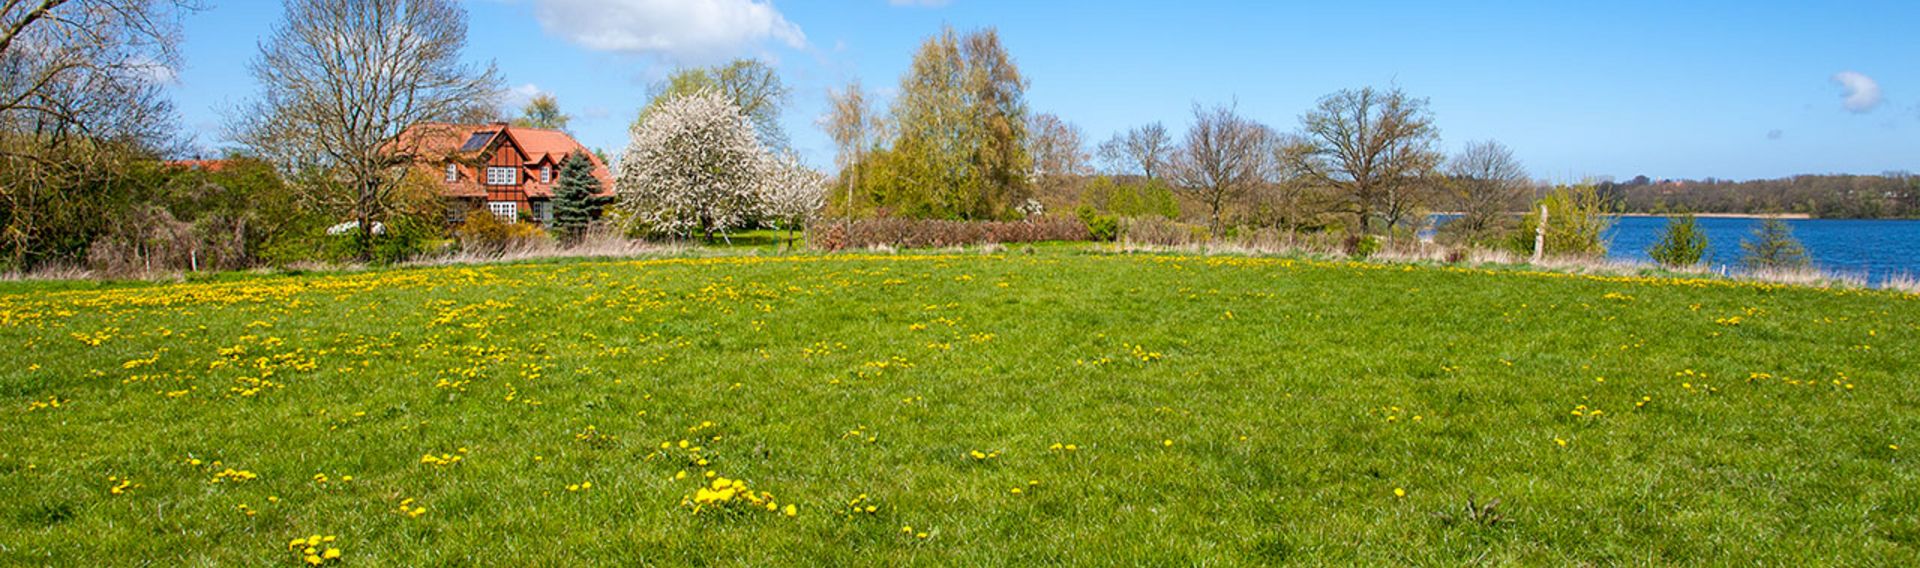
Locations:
{"points": [[1058, 406]]}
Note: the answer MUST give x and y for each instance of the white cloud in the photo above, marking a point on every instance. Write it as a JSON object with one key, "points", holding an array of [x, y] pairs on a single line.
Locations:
{"points": [[1862, 92], [518, 97], [679, 31], [152, 70]]}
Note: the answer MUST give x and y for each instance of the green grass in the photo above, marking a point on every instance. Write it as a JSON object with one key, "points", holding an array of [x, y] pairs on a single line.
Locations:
{"points": [[1225, 411]]}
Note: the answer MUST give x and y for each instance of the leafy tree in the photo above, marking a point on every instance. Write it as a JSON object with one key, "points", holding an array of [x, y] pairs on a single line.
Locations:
{"points": [[693, 167], [1773, 247], [960, 147], [1576, 224], [543, 112], [1681, 244], [752, 85], [576, 200], [792, 196]]}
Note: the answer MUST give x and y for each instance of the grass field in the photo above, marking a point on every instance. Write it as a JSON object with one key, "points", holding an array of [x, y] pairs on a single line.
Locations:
{"points": [[1016, 408]]}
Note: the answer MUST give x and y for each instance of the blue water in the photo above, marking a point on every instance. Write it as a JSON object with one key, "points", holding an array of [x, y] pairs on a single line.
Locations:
{"points": [[1869, 248]]}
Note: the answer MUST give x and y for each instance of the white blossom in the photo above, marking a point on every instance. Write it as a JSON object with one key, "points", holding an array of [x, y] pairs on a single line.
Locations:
{"points": [[793, 194], [694, 166]]}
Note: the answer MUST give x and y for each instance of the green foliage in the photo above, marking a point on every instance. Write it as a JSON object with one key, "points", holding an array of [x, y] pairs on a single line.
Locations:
{"points": [[751, 84], [543, 112], [1103, 227], [576, 199], [1773, 246], [1681, 244], [1363, 246], [960, 149], [1576, 224], [1133, 198], [484, 233]]}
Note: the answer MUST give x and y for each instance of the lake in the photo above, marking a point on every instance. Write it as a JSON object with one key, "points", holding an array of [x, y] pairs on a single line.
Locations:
{"points": [[1871, 248]]}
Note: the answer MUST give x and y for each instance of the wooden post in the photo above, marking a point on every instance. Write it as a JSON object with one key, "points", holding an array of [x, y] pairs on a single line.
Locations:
{"points": [[1540, 236]]}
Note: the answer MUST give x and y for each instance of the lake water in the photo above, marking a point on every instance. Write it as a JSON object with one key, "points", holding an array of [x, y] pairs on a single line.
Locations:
{"points": [[1871, 248]]}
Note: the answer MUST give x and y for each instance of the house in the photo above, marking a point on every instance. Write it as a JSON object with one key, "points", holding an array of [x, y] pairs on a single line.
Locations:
{"points": [[507, 170]]}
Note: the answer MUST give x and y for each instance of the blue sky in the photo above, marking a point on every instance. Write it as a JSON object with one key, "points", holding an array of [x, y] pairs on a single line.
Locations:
{"points": [[1578, 89]]}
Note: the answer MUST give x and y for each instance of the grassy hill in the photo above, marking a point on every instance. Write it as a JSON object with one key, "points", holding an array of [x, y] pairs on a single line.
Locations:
{"points": [[966, 409]]}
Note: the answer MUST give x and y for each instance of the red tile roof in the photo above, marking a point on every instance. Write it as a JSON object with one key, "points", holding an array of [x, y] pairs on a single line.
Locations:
{"points": [[438, 143]]}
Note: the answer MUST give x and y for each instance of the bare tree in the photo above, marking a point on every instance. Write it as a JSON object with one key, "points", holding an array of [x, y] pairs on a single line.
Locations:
{"points": [[1483, 183], [1374, 149], [1059, 153], [852, 124], [87, 68], [341, 80], [1144, 149], [1220, 161], [80, 95]]}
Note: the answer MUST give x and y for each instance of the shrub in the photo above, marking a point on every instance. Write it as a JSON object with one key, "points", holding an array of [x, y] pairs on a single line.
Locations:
{"points": [[1773, 247], [1160, 232], [933, 233], [1681, 245], [484, 233], [1362, 246], [1576, 224], [1102, 228]]}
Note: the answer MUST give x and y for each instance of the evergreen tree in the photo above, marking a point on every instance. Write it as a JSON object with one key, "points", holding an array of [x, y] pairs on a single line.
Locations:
{"points": [[1773, 246], [577, 199], [1681, 245]]}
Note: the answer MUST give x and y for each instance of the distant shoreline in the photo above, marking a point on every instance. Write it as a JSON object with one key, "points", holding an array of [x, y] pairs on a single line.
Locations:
{"points": [[1701, 215], [1724, 215]]}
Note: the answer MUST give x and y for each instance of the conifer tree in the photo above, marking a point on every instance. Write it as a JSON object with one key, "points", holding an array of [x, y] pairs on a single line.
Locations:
{"points": [[1681, 245], [576, 199], [1773, 246]]}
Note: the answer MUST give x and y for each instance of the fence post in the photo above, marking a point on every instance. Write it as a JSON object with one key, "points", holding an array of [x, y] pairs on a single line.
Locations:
{"points": [[1540, 236]]}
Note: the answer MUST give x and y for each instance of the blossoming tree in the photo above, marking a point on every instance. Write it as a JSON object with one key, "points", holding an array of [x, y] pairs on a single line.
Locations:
{"points": [[792, 196], [693, 167]]}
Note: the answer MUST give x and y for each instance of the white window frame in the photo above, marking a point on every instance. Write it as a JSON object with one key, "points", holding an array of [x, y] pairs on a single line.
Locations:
{"points": [[503, 175], [542, 211], [506, 210], [546, 173], [453, 172]]}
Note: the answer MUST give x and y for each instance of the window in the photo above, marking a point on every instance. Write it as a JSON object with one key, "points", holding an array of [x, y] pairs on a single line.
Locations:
{"points": [[453, 172], [543, 212], [502, 176], [506, 210], [546, 173]]}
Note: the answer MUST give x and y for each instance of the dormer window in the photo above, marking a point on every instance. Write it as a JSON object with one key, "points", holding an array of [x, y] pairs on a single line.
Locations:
{"points": [[453, 172], [502, 175], [546, 173]]}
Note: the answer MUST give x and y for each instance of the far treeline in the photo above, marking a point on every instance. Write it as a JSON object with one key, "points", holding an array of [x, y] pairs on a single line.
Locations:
{"points": [[317, 167], [1890, 195]]}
